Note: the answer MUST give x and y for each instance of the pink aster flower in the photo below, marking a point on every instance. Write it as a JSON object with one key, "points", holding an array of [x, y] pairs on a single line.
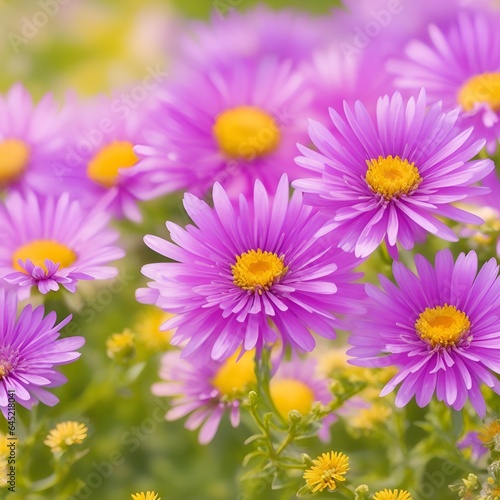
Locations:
{"points": [[230, 125], [460, 66], [99, 161], [205, 391], [296, 385], [390, 178], [31, 137], [245, 272], [52, 241], [30, 348], [439, 328], [251, 36]]}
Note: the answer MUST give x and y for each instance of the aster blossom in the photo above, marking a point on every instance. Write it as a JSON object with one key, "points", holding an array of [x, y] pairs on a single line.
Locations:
{"points": [[461, 67], [99, 161], [251, 36], [205, 392], [439, 328], [245, 265], [30, 348], [52, 241], [31, 137], [231, 125], [389, 178]]}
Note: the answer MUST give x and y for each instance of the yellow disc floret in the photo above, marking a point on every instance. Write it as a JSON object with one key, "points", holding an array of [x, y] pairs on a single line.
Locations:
{"points": [[104, 167], [246, 133], [14, 158], [392, 177], [442, 326], [291, 394], [481, 89], [234, 378], [392, 495], [326, 471], [39, 250], [256, 270]]}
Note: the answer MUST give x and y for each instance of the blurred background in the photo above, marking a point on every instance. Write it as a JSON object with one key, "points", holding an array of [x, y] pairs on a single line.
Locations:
{"points": [[97, 45]]}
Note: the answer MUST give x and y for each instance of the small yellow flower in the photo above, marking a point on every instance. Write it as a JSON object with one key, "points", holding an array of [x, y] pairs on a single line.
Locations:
{"points": [[489, 431], [121, 346], [66, 434], [147, 327], [149, 495], [392, 495], [328, 469], [368, 418]]}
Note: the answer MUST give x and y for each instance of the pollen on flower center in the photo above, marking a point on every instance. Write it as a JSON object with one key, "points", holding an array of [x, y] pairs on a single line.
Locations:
{"points": [[39, 250], [392, 177], [104, 167], [5, 368], [256, 270], [14, 157], [235, 375], [290, 394], [246, 133], [484, 88], [8, 361], [442, 325]]}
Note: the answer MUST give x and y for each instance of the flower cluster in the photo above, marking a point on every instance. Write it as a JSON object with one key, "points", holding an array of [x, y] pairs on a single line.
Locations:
{"points": [[312, 154]]}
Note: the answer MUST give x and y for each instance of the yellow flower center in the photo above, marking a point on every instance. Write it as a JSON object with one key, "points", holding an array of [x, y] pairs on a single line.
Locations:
{"points": [[14, 157], [484, 88], [104, 166], [246, 133], [392, 495], [5, 369], [290, 394], [326, 471], [39, 250], [442, 325], [392, 177], [256, 270], [234, 377]]}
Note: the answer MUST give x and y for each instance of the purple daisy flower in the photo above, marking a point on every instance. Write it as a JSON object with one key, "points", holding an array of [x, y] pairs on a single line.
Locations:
{"points": [[53, 241], [251, 36], [391, 177], [296, 385], [29, 350], [206, 391], [439, 328], [460, 66], [247, 270], [230, 125], [100, 162], [31, 137]]}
